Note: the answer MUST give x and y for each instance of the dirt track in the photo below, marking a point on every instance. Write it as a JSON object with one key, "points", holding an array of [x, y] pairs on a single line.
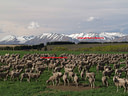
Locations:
{"points": [[71, 87]]}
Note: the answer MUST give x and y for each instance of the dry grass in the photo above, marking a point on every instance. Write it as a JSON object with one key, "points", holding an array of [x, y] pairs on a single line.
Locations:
{"points": [[77, 46], [9, 45]]}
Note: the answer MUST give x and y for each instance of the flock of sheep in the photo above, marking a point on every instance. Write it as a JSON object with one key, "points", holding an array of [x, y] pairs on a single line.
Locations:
{"points": [[31, 66]]}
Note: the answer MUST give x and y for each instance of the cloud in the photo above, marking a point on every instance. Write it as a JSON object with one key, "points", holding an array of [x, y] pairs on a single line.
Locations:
{"points": [[33, 25], [92, 19]]}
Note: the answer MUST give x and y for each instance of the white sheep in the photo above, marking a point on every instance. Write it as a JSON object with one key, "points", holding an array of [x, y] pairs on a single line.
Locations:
{"points": [[104, 80], [76, 80], [65, 79], [120, 82]]}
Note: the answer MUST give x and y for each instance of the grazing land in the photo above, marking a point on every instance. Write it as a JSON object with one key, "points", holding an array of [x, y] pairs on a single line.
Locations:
{"points": [[9, 45], [40, 88]]}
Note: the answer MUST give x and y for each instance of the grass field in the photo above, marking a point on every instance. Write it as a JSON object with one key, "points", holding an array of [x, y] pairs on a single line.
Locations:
{"points": [[16, 88]]}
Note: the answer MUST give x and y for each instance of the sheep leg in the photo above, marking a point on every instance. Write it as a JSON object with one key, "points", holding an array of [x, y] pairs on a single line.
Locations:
{"points": [[52, 82], [59, 81], [103, 83], [64, 82], [21, 79], [107, 83], [93, 85], [124, 88], [85, 77], [6, 77], [68, 82], [117, 89], [29, 79], [76, 83]]}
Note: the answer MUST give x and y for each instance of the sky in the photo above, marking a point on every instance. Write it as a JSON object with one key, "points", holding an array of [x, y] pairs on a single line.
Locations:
{"points": [[34, 17]]}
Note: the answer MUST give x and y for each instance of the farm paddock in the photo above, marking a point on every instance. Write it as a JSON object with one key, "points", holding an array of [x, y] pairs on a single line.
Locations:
{"points": [[15, 87]]}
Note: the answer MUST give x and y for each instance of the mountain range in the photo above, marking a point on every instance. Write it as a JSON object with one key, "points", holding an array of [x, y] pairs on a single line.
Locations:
{"points": [[49, 37]]}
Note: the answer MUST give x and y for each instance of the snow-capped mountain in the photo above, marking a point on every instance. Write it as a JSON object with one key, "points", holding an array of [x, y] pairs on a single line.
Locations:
{"points": [[11, 39], [49, 37], [106, 35], [124, 38]]}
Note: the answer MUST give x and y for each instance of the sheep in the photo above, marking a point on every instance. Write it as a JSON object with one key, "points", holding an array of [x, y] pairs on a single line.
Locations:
{"points": [[87, 67], [79, 68], [21, 66], [116, 66], [82, 73], [88, 75], [6, 67], [57, 69], [120, 82], [107, 73], [71, 74], [99, 67], [92, 82], [59, 74], [53, 79], [16, 74], [65, 79], [104, 81], [33, 75], [4, 75], [24, 75], [118, 72], [76, 80]]}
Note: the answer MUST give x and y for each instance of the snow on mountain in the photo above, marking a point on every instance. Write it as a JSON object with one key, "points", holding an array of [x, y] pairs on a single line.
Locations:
{"points": [[121, 39], [111, 36], [8, 38], [91, 34], [107, 36], [23, 39], [49, 37], [11, 39]]}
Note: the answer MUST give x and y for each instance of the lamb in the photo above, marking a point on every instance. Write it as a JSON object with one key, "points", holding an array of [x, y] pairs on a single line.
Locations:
{"points": [[104, 81], [76, 80], [65, 79], [120, 82]]}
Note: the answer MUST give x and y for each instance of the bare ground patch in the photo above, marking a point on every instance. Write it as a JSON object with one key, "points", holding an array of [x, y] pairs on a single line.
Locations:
{"points": [[72, 87]]}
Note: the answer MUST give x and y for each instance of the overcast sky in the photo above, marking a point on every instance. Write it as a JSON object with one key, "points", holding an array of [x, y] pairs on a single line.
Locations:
{"points": [[62, 16]]}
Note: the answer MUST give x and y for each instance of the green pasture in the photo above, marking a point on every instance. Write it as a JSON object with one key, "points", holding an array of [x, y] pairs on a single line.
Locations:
{"points": [[17, 88]]}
